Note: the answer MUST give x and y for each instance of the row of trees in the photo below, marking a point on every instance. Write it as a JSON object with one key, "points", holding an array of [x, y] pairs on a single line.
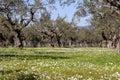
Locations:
{"points": [[57, 33], [28, 23], [106, 20]]}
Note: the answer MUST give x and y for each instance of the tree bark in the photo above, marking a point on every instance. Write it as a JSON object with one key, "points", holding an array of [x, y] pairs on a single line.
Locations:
{"points": [[118, 42], [118, 47], [58, 41], [70, 43], [109, 44], [15, 39], [18, 42]]}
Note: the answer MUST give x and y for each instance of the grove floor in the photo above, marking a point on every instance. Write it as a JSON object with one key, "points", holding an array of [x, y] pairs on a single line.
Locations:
{"points": [[59, 64]]}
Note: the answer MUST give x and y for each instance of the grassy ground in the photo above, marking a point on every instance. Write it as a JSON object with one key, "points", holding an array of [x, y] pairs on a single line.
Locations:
{"points": [[59, 64]]}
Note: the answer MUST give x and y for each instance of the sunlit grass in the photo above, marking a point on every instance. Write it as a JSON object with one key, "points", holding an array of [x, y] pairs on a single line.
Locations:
{"points": [[59, 64]]}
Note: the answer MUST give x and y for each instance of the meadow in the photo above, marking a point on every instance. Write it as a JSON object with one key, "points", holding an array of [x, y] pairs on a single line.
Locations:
{"points": [[59, 64]]}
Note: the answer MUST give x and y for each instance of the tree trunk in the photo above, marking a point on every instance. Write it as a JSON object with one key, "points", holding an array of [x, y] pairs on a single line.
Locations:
{"points": [[51, 41], [118, 46], [109, 44], [18, 42], [58, 41], [118, 42], [70, 43]]}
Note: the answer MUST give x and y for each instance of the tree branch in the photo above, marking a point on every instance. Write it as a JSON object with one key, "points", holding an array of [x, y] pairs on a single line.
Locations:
{"points": [[31, 17]]}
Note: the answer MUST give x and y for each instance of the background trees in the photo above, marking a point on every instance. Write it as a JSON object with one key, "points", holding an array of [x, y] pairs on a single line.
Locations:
{"points": [[29, 23], [105, 19], [15, 17], [18, 14]]}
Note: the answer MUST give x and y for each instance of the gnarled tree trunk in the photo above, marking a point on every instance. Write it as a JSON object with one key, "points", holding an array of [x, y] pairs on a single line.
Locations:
{"points": [[18, 42], [118, 46], [118, 42]]}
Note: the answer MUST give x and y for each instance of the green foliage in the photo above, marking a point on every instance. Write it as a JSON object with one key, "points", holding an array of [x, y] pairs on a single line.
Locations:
{"points": [[14, 18]]}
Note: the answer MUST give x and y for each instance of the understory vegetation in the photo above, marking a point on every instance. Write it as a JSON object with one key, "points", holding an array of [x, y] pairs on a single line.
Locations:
{"points": [[59, 64]]}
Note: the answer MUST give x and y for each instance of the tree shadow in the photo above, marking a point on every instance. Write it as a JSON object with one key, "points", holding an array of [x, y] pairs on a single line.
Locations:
{"points": [[27, 77], [31, 57], [3, 72], [21, 76]]}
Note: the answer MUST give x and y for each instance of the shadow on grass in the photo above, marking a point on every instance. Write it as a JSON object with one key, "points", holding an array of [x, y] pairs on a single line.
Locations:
{"points": [[3, 72], [27, 77], [32, 57], [21, 76]]}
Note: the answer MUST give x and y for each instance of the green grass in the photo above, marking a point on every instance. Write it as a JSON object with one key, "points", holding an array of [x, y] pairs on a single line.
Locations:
{"points": [[59, 64]]}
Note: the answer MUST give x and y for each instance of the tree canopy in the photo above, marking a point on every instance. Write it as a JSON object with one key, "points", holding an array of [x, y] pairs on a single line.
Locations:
{"points": [[29, 22]]}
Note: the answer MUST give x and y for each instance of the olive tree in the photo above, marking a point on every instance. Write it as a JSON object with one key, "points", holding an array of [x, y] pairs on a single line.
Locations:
{"points": [[105, 18], [18, 14]]}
